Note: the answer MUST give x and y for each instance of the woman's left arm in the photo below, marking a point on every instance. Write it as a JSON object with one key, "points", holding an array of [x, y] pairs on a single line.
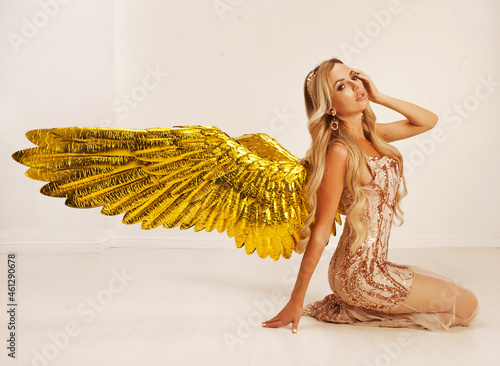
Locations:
{"points": [[417, 120]]}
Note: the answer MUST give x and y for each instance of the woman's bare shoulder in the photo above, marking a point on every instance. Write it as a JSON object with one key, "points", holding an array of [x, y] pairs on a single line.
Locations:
{"points": [[337, 151]]}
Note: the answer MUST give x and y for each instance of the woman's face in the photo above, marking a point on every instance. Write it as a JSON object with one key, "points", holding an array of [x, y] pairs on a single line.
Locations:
{"points": [[348, 95]]}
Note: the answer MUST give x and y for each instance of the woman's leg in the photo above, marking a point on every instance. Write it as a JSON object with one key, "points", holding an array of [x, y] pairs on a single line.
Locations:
{"points": [[455, 304]]}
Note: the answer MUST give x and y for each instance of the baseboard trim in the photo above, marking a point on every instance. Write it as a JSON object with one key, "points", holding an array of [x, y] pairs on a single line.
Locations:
{"points": [[225, 243], [59, 248]]}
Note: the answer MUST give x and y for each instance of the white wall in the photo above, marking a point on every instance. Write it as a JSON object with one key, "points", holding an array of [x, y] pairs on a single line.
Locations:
{"points": [[56, 69], [238, 68]]}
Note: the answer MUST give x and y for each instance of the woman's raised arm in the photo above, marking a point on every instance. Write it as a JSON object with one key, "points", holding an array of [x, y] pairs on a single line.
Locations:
{"points": [[418, 119], [328, 198]]}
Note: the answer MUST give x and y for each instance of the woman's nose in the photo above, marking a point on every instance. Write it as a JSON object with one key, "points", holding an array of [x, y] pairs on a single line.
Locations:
{"points": [[356, 84]]}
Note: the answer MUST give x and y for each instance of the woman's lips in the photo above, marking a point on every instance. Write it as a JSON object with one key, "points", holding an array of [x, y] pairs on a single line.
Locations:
{"points": [[361, 96]]}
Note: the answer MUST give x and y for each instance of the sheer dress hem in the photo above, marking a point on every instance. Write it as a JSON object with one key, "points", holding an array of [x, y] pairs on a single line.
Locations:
{"points": [[334, 310]]}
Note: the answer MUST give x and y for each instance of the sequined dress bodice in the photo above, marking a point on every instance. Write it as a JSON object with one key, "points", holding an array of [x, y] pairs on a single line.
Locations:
{"points": [[364, 277]]}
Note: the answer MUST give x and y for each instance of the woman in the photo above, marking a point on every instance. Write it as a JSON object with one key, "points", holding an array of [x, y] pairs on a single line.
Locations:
{"points": [[353, 167]]}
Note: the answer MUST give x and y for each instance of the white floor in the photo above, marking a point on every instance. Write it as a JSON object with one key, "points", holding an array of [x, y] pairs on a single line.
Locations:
{"points": [[204, 307]]}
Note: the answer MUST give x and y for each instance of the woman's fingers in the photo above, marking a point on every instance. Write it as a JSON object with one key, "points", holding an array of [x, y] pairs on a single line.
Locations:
{"points": [[370, 87], [361, 72], [295, 325], [279, 323], [276, 323], [276, 318], [273, 324], [362, 75], [291, 313]]}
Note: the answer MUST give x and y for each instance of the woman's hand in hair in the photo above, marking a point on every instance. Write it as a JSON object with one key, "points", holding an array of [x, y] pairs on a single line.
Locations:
{"points": [[372, 92]]}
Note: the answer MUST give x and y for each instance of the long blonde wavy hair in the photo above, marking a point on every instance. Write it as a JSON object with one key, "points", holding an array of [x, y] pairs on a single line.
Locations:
{"points": [[317, 106]]}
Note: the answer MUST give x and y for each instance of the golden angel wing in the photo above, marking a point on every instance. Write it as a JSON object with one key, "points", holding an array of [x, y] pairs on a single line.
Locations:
{"points": [[186, 176]]}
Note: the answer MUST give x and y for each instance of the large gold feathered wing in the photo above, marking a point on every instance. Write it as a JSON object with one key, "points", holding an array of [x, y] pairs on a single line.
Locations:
{"points": [[184, 176]]}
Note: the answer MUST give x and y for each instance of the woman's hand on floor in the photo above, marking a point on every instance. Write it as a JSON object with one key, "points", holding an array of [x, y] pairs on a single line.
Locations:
{"points": [[291, 313]]}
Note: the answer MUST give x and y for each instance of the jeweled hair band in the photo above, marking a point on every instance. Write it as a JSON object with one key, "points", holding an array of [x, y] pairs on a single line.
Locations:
{"points": [[309, 81]]}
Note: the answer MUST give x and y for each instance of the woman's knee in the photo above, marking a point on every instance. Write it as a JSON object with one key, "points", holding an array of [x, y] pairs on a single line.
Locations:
{"points": [[430, 294], [468, 305]]}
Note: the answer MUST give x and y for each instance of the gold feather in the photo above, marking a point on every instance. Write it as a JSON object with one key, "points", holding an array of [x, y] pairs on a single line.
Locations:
{"points": [[186, 176]]}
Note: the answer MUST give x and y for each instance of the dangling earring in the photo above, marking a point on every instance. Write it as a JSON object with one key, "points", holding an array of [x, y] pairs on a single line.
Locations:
{"points": [[334, 125]]}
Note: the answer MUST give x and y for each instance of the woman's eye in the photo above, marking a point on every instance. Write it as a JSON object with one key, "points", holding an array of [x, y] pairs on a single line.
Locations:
{"points": [[354, 77]]}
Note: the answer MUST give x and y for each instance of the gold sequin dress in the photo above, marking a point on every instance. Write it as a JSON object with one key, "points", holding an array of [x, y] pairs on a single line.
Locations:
{"points": [[365, 285]]}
